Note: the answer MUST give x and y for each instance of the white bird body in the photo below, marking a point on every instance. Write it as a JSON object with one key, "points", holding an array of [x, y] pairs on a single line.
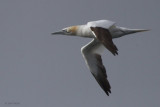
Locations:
{"points": [[84, 31], [102, 32]]}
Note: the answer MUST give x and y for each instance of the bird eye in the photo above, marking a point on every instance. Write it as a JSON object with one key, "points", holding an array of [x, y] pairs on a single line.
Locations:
{"points": [[65, 30]]}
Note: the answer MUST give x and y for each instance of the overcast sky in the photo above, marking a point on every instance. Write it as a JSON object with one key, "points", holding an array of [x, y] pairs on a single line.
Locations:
{"points": [[40, 70]]}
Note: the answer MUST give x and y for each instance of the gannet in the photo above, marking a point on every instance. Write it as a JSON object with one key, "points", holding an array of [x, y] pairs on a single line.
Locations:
{"points": [[102, 32]]}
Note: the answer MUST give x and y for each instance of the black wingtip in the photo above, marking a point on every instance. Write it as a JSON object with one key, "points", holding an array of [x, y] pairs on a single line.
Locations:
{"points": [[106, 87], [116, 53], [108, 91]]}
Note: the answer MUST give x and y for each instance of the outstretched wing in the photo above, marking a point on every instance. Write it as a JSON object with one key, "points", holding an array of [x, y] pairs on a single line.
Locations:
{"points": [[101, 31], [92, 55]]}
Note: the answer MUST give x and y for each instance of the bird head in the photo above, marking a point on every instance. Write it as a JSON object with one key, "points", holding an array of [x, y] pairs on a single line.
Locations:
{"points": [[72, 30]]}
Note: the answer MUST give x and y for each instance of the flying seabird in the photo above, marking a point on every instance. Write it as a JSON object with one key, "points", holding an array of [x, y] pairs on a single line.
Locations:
{"points": [[102, 32]]}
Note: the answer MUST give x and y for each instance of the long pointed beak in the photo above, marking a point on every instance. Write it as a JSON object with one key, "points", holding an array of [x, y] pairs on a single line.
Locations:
{"points": [[56, 33]]}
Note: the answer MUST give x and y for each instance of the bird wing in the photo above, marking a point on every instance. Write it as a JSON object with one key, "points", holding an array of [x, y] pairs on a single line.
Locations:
{"points": [[104, 36], [92, 55], [100, 29]]}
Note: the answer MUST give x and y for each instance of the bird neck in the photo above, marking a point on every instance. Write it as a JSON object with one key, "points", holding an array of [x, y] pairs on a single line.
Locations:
{"points": [[84, 31]]}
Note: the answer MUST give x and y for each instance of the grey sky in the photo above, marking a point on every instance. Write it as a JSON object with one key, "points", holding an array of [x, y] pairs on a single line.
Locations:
{"points": [[40, 70]]}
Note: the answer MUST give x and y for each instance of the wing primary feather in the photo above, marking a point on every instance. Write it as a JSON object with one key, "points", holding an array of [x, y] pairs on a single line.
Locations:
{"points": [[102, 76]]}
